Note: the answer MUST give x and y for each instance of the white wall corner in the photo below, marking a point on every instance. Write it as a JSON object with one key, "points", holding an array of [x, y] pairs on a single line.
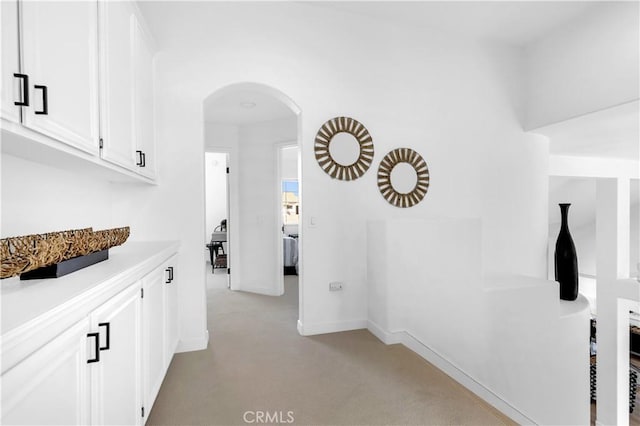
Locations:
{"points": [[310, 329], [386, 337], [191, 345]]}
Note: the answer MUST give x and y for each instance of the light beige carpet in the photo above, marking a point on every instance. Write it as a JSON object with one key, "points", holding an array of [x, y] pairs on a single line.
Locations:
{"points": [[257, 362]]}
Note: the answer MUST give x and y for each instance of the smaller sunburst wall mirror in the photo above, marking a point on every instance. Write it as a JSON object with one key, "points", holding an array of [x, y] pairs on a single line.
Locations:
{"points": [[403, 177], [344, 148]]}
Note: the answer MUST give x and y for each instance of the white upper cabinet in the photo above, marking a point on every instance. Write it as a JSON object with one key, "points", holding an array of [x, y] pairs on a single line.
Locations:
{"points": [[12, 81], [126, 56], [77, 76], [144, 124], [60, 55], [116, 24]]}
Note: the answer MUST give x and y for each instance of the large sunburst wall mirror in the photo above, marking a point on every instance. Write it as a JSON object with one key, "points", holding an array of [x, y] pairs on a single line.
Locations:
{"points": [[344, 148], [403, 177]]}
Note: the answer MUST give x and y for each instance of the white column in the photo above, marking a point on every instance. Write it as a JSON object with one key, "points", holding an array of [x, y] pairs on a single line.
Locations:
{"points": [[612, 239]]}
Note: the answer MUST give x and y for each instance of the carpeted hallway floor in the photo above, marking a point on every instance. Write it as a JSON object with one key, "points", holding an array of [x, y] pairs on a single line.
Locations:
{"points": [[257, 362]]}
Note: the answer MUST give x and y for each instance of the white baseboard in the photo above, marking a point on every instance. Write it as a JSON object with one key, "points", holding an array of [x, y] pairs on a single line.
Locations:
{"points": [[193, 344], [387, 337], [310, 329], [450, 369]]}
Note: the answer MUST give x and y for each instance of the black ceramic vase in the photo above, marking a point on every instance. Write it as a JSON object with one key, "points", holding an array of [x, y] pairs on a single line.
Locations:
{"points": [[566, 261]]}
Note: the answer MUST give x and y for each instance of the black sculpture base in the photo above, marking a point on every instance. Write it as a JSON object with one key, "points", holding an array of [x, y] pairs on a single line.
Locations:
{"points": [[66, 266]]}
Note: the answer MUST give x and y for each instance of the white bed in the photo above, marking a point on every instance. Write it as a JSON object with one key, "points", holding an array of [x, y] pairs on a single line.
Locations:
{"points": [[290, 253]]}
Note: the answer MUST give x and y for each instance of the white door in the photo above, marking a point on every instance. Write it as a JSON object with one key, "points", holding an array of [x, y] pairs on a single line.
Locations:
{"points": [[117, 21], [51, 386], [143, 100], [116, 380], [153, 331], [10, 85], [60, 55], [171, 308]]}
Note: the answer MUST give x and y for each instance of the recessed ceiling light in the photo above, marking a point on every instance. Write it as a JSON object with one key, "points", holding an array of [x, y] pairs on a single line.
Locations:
{"points": [[248, 105]]}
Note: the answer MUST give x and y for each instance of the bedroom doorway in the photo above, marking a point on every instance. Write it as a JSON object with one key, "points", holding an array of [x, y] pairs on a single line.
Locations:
{"points": [[217, 213], [288, 193]]}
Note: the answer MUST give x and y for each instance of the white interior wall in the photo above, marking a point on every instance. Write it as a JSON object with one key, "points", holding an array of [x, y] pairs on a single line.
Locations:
{"points": [[253, 221], [584, 66], [259, 203], [38, 199], [509, 339], [216, 191], [289, 163], [450, 99]]}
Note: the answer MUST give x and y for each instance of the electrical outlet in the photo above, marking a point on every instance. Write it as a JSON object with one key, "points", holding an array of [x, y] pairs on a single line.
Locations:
{"points": [[336, 286]]}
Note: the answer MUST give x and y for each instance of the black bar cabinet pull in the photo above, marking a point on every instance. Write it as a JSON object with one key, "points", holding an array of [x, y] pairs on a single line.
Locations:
{"points": [[144, 160], [108, 333], [139, 161], [25, 89], [171, 273], [97, 346], [45, 99]]}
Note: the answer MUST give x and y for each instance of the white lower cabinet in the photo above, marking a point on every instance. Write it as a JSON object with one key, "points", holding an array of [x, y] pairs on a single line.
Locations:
{"points": [[106, 369], [153, 335], [171, 310], [160, 325], [116, 379], [50, 387]]}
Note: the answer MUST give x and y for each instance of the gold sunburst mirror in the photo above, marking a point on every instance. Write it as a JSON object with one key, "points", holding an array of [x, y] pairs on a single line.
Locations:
{"points": [[329, 133], [400, 197]]}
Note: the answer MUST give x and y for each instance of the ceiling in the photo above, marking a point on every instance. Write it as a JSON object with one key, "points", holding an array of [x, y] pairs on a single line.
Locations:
{"points": [[233, 106], [181, 23], [509, 22], [177, 24]]}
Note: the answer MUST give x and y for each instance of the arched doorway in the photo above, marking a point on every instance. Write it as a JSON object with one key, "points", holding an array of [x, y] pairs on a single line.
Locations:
{"points": [[251, 125]]}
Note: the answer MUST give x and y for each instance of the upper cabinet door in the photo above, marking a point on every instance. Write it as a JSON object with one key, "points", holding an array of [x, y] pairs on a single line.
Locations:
{"points": [[10, 85], [144, 125], [60, 55], [116, 26]]}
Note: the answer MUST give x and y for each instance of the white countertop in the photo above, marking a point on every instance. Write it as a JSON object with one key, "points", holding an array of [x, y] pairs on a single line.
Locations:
{"points": [[24, 301]]}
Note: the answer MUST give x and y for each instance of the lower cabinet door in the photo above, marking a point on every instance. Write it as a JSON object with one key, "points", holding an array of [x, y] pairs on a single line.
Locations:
{"points": [[171, 308], [117, 380], [153, 347], [51, 386]]}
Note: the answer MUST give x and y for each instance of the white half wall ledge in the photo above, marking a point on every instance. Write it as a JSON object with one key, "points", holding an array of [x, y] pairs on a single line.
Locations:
{"points": [[593, 167], [590, 121], [190, 345], [611, 133], [312, 329], [456, 373]]}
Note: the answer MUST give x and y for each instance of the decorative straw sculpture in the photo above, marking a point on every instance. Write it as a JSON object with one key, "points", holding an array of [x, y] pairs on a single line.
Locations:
{"points": [[29, 252]]}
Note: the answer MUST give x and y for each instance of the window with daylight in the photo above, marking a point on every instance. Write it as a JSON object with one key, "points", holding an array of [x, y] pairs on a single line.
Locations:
{"points": [[290, 205]]}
